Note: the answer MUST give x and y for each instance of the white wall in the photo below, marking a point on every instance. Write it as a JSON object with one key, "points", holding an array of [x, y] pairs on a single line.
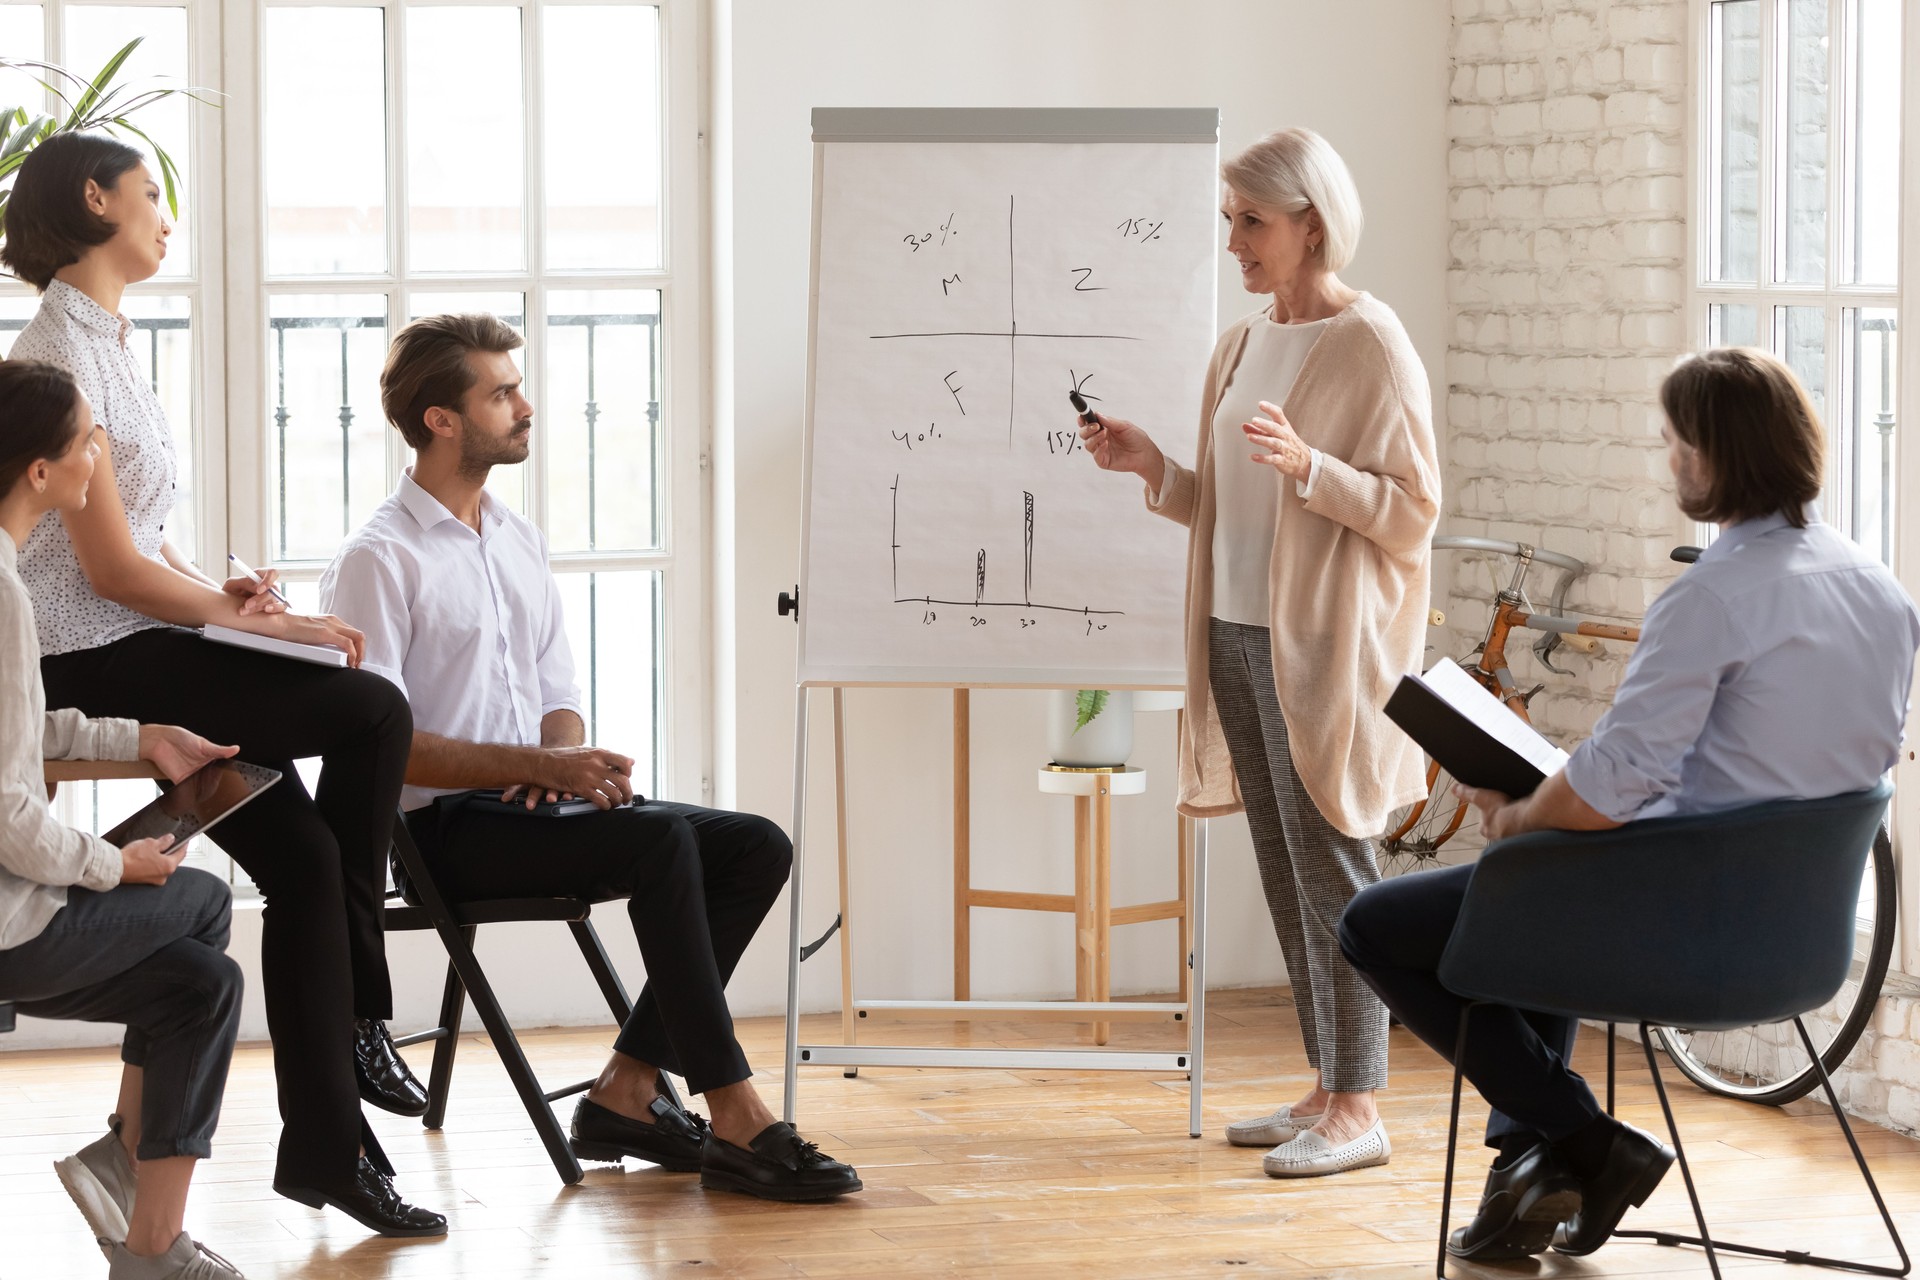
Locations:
{"points": [[1369, 74]]}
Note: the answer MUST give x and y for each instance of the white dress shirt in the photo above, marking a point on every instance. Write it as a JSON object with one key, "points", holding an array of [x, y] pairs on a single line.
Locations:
{"points": [[468, 625], [73, 332]]}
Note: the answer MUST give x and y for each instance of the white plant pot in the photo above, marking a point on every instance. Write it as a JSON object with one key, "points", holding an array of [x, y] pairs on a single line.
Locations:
{"points": [[1107, 740]]}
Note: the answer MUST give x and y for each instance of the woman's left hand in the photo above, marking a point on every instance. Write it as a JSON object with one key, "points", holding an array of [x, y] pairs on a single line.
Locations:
{"points": [[255, 597], [1285, 451], [179, 751]]}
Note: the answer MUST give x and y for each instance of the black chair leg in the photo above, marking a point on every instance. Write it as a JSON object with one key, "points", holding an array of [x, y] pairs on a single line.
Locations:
{"points": [[453, 1005], [601, 964], [507, 1045], [1706, 1242], [1610, 1040], [1453, 1141]]}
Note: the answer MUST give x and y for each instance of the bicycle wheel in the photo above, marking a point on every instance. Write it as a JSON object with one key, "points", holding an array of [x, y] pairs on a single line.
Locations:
{"points": [[1416, 833], [1768, 1063]]}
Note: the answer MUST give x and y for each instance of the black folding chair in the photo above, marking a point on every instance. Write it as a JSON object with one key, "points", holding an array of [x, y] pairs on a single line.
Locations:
{"points": [[458, 924], [1712, 922]]}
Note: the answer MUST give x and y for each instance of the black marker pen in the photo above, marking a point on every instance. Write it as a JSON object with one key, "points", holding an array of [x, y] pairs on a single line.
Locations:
{"points": [[1087, 416]]}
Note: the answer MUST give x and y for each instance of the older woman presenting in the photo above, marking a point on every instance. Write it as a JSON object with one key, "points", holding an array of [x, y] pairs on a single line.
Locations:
{"points": [[1312, 503]]}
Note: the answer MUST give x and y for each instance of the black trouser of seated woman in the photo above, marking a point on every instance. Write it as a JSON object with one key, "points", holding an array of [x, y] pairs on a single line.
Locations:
{"points": [[319, 860]]}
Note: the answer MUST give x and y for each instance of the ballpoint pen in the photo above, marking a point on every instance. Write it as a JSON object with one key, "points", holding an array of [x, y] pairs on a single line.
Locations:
{"points": [[241, 566]]}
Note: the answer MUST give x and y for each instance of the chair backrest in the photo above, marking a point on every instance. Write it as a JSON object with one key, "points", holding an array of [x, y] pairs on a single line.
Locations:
{"points": [[1709, 921]]}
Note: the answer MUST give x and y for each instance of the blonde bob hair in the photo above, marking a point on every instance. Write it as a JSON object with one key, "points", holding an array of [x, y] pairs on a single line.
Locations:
{"points": [[1293, 171]]}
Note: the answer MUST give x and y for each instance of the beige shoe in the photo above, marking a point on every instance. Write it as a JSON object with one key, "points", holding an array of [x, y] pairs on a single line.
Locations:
{"points": [[1309, 1155], [1269, 1130], [101, 1183]]}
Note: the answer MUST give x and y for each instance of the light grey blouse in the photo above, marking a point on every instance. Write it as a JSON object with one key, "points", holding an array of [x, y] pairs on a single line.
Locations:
{"points": [[40, 858]]}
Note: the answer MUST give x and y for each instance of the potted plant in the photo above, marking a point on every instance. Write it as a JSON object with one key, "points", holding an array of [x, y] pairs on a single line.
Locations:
{"points": [[1090, 728], [89, 103]]}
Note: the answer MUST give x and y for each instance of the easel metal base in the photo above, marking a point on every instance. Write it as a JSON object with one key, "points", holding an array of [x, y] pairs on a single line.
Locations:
{"points": [[1023, 1010], [880, 1055]]}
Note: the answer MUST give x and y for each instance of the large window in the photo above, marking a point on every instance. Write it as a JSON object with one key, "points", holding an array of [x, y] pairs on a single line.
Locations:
{"points": [[372, 163], [1804, 245], [1799, 235]]}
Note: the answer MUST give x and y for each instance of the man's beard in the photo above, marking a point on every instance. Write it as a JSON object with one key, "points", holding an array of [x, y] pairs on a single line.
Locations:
{"points": [[480, 452]]}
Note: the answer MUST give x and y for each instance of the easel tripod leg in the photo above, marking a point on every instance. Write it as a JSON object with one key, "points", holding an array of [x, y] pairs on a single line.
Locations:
{"points": [[795, 880]]}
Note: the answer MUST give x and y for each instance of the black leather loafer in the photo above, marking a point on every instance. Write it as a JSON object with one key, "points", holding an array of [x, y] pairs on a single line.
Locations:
{"points": [[371, 1201], [673, 1141], [776, 1165], [385, 1081], [1635, 1165], [1519, 1209]]}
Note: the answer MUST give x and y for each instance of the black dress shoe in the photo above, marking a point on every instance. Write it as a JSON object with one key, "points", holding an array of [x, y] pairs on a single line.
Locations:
{"points": [[776, 1165], [371, 1201], [673, 1141], [1635, 1165], [384, 1079], [1519, 1209]]}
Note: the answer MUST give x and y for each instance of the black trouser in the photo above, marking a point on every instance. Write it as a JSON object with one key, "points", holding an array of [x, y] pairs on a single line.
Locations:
{"points": [[698, 882], [319, 860], [152, 957], [1394, 934]]}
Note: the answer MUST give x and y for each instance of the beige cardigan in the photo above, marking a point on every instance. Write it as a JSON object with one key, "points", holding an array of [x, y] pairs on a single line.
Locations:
{"points": [[1348, 578]]}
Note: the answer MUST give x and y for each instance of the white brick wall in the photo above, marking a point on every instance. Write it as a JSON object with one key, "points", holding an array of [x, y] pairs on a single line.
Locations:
{"points": [[1566, 286], [1567, 283]]}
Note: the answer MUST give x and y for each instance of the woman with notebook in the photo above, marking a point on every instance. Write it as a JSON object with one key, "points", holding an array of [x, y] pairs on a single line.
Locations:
{"points": [[1311, 507], [113, 599], [95, 933]]}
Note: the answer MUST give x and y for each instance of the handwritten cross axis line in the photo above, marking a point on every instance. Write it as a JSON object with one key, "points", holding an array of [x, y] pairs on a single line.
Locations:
{"points": [[1012, 333]]}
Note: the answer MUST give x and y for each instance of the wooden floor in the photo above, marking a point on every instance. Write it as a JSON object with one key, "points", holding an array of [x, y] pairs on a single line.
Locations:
{"points": [[968, 1173]]}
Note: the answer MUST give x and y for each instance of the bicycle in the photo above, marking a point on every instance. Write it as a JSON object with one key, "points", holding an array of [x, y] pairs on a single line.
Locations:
{"points": [[1763, 1064]]}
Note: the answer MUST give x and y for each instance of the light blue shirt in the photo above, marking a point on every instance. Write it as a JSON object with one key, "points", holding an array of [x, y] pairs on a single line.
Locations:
{"points": [[1779, 666]]}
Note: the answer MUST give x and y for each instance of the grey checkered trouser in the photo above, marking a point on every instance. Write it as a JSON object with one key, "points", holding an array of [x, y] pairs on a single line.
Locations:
{"points": [[1310, 871]]}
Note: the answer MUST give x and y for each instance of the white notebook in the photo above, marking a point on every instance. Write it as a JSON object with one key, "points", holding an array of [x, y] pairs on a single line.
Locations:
{"points": [[323, 655]]}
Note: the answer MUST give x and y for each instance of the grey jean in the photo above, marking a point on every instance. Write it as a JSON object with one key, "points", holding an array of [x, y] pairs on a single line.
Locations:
{"points": [[152, 957], [1308, 868]]}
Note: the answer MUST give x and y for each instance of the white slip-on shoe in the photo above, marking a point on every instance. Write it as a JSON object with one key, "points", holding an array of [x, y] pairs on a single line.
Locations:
{"points": [[1310, 1155], [187, 1259], [101, 1182], [1269, 1130]]}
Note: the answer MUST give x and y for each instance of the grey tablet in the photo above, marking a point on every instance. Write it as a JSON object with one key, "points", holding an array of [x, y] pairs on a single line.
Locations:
{"points": [[195, 803]]}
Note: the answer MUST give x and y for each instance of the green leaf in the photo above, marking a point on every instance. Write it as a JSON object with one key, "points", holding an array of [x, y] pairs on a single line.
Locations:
{"points": [[37, 131], [101, 81], [169, 172], [1088, 703]]}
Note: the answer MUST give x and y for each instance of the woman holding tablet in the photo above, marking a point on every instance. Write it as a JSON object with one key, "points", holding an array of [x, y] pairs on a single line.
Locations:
{"points": [[1311, 506], [111, 597], [95, 933]]}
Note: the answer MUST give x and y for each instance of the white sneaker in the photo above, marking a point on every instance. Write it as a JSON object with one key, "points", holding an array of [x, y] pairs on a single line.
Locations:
{"points": [[101, 1183], [1266, 1131], [187, 1259], [1309, 1155]]}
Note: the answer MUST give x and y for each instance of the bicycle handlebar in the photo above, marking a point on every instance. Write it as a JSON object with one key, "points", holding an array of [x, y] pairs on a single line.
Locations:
{"points": [[1451, 542]]}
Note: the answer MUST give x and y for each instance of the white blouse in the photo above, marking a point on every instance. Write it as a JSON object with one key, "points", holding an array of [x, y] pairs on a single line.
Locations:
{"points": [[77, 334], [1247, 496]]}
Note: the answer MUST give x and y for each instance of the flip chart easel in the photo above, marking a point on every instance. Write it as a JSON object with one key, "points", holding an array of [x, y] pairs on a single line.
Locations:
{"points": [[970, 267]]}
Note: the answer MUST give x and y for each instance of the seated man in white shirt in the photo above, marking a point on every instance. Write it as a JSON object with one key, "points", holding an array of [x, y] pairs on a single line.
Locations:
{"points": [[461, 611]]}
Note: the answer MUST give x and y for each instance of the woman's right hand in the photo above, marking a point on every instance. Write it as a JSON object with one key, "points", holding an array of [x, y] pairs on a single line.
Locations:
{"points": [[1118, 445], [303, 628], [150, 861]]}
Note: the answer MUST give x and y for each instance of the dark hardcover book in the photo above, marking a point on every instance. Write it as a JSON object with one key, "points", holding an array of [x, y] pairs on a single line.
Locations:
{"points": [[1453, 726]]}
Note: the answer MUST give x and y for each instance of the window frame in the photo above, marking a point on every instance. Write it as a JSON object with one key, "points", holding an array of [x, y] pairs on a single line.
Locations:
{"points": [[682, 560], [1833, 297]]}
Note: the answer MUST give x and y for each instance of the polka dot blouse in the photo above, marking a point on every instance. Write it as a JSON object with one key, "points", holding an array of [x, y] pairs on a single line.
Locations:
{"points": [[77, 334]]}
